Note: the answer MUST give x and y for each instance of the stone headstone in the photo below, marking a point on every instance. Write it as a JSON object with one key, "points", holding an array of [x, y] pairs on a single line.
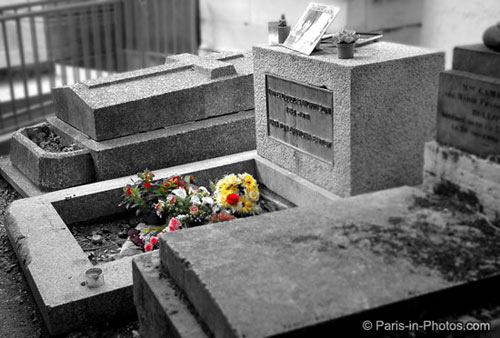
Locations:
{"points": [[469, 112], [350, 126], [469, 102], [186, 88]]}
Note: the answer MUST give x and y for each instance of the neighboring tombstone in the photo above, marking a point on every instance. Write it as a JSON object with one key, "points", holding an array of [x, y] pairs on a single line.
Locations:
{"points": [[189, 109], [468, 127], [350, 126]]}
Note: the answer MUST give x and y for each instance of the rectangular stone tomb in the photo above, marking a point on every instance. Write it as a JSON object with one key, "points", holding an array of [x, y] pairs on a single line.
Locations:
{"points": [[396, 254], [54, 263], [469, 112], [186, 88], [51, 170], [352, 126]]}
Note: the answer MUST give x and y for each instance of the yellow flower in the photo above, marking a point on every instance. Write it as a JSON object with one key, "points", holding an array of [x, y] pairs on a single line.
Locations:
{"points": [[253, 194], [244, 205]]}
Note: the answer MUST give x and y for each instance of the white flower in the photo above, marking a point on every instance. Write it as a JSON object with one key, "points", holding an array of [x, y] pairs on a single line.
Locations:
{"points": [[207, 200], [181, 217], [181, 192], [204, 190], [195, 200]]}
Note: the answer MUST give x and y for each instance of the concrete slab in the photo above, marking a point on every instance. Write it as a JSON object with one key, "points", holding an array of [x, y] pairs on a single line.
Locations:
{"points": [[294, 270], [190, 89], [54, 263]]}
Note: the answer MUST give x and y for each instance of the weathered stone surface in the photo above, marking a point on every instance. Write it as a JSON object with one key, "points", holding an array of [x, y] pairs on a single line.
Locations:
{"points": [[166, 147], [190, 89], [54, 263], [50, 170], [469, 112], [161, 311], [384, 101], [289, 270], [477, 59], [471, 173]]}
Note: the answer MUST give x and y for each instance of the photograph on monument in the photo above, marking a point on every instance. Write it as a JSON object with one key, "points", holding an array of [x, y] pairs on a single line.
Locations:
{"points": [[311, 26]]}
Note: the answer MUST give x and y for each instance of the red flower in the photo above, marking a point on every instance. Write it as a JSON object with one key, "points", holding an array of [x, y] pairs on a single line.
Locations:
{"points": [[128, 191], [232, 199], [148, 247], [147, 184], [174, 224], [153, 240]]}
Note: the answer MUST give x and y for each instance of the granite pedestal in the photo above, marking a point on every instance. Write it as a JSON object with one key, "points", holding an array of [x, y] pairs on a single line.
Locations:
{"points": [[351, 126]]}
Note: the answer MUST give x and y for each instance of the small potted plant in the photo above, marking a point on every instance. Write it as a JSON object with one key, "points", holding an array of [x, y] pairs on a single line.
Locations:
{"points": [[345, 40]]}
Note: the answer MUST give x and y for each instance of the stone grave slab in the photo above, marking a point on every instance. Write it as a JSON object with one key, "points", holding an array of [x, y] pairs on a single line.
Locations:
{"points": [[186, 88], [351, 126], [54, 263], [477, 59], [469, 112], [291, 271]]}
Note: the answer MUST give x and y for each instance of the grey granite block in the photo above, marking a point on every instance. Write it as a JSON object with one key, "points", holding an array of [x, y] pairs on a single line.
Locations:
{"points": [[370, 136], [477, 59], [50, 170], [189, 89], [166, 147]]}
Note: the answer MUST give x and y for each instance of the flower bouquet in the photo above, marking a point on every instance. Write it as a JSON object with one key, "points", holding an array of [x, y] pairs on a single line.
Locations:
{"points": [[181, 204]]}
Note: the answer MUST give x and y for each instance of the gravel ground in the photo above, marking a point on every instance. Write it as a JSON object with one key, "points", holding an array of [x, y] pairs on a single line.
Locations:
{"points": [[19, 315]]}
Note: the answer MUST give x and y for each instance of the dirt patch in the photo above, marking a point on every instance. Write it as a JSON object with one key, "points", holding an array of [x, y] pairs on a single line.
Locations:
{"points": [[48, 140], [102, 239]]}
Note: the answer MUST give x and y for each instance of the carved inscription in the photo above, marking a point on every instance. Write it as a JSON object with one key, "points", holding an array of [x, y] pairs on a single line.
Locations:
{"points": [[469, 113], [301, 116]]}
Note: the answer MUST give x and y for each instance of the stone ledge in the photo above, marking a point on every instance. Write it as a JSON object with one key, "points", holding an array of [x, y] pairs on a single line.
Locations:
{"points": [[50, 170], [162, 313]]}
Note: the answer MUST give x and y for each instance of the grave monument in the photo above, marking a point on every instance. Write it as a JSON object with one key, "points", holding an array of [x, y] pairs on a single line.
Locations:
{"points": [[186, 110], [313, 121]]}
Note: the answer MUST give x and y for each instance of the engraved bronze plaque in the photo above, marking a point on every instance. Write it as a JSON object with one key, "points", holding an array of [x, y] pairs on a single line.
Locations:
{"points": [[301, 116], [469, 113]]}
